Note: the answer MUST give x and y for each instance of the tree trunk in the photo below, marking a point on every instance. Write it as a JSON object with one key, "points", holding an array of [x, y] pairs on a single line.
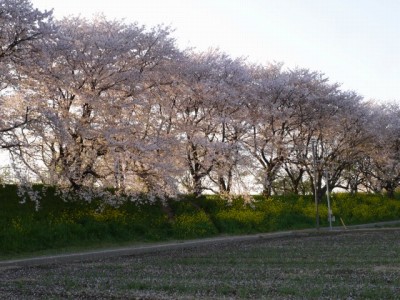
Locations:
{"points": [[197, 186], [389, 187]]}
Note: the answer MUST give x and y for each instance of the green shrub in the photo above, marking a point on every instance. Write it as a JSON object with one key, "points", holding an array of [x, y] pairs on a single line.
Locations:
{"points": [[237, 220], [363, 208], [196, 224], [58, 224]]}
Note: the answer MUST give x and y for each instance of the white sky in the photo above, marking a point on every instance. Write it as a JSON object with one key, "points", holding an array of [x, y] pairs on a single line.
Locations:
{"points": [[354, 42]]}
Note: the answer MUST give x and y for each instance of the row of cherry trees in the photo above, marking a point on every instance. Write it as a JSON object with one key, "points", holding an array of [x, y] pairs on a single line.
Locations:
{"points": [[104, 104]]}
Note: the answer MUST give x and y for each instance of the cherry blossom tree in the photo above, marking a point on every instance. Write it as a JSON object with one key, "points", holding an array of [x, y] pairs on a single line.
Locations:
{"points": [[275, 103], [381, 168], [208, 102], [334, 121], [105, 105], [23, 28], [92, 85], [341, 140]]}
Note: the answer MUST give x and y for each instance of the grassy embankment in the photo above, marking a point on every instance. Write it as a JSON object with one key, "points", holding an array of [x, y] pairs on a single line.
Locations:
{"points": [[77, 225]]}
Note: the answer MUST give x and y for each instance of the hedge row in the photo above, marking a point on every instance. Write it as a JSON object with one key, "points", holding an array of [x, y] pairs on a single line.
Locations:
{"points": [[58, 224]]}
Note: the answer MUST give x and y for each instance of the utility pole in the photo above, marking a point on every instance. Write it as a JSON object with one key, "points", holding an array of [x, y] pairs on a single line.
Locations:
{"points": [[314, 151]]}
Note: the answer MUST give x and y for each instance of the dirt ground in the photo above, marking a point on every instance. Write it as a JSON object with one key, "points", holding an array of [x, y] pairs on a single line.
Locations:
{"points": [[346, 265]]}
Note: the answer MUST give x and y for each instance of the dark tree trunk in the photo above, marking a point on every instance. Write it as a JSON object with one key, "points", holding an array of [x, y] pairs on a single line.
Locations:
{"points": [[390, 188]]}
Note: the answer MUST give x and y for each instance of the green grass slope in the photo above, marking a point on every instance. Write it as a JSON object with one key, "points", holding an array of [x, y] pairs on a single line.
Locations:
{"points": [[79, 224]]}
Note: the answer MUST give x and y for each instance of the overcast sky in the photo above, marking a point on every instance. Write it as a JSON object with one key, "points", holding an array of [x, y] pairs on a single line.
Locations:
{"points": [[354, 42]]}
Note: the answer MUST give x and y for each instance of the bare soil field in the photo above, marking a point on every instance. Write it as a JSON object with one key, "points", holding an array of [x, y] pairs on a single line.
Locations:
{"points": [[361, 264]]}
